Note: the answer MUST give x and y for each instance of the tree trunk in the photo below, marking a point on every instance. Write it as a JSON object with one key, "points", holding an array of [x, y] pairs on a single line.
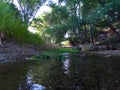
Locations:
{"points": [[115, 31], [91, 35], [85, 33], [1, 37]]}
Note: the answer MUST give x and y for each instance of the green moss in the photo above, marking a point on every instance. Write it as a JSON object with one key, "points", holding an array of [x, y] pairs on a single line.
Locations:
{"points": [[68, 50], [56, 54], [61, 50]]}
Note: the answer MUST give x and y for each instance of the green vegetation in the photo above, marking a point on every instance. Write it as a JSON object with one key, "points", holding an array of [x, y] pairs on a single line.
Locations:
{"points": [[13, 25], [68, 50], [60, 51], [84, 25], [82, 20], [56, 53]]}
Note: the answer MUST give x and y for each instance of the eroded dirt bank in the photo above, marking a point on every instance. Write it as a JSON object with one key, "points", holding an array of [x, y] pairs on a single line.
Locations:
{"points": [[12, 51]]}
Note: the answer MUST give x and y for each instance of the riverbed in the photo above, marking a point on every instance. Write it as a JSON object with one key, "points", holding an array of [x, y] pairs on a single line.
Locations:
{"points": [[69, 73]]}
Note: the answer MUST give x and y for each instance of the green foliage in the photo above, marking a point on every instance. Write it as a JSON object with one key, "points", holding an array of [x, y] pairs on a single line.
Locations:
{"points": [[29, 8], [68, 50], [53, 25], [5, 14], [47, 46], [54, 53], [11, 24], [106, 15], [111, 41], [82, 18], [60, 51]]}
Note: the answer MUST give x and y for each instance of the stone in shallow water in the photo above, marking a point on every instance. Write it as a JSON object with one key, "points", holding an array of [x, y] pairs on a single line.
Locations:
{"points": [[2, 57], [37, 87]]}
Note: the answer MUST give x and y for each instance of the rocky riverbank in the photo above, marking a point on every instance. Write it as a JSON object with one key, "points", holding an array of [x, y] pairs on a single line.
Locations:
{"points": [[109, 52], [12, 51]]}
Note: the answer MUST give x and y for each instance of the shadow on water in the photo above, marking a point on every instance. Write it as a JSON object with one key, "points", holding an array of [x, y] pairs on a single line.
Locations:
{"points": [[70, 73]]}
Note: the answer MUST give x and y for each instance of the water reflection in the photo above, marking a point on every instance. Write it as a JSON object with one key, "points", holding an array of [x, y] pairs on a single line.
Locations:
{"points": [[37, 87], [71, 73], [66, 65], [66, 62]]}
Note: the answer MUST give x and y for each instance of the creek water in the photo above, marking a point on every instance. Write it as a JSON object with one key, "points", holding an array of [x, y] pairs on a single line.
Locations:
{"points": [[70, 73]]}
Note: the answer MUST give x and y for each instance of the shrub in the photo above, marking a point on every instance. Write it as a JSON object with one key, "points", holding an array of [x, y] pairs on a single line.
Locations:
{"points": [[88, 47], [13, 26]]}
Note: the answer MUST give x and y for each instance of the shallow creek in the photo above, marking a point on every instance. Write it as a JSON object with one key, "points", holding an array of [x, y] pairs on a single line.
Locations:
{"points": [[72, 72]]}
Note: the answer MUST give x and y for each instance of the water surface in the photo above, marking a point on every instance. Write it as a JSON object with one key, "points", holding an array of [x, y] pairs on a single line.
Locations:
{"points": [[70, 73]]}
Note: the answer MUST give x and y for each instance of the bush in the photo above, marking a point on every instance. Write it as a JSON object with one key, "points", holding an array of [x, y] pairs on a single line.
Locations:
{"points": [[48, 46], [13, 26], [88, 47], [111, 41]]}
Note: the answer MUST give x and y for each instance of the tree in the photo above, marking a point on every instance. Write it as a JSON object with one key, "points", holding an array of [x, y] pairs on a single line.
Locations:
{"points": [[55, 23], [29, 8], [107, 15], [81, 18]]}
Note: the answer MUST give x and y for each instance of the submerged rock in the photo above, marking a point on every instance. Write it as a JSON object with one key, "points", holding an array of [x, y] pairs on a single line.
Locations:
{"points": [[31, 85], [6, 57], [2, 57]]}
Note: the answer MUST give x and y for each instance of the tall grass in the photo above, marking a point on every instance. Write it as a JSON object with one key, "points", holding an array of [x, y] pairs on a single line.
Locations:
{"points": [[15, 29]]}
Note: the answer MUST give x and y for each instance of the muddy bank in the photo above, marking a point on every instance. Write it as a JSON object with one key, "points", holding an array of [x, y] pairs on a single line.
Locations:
{"points": [[12, 51]]}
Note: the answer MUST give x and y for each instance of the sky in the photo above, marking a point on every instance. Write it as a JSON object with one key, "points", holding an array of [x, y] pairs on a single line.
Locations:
{"points": [[43, 9]]}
